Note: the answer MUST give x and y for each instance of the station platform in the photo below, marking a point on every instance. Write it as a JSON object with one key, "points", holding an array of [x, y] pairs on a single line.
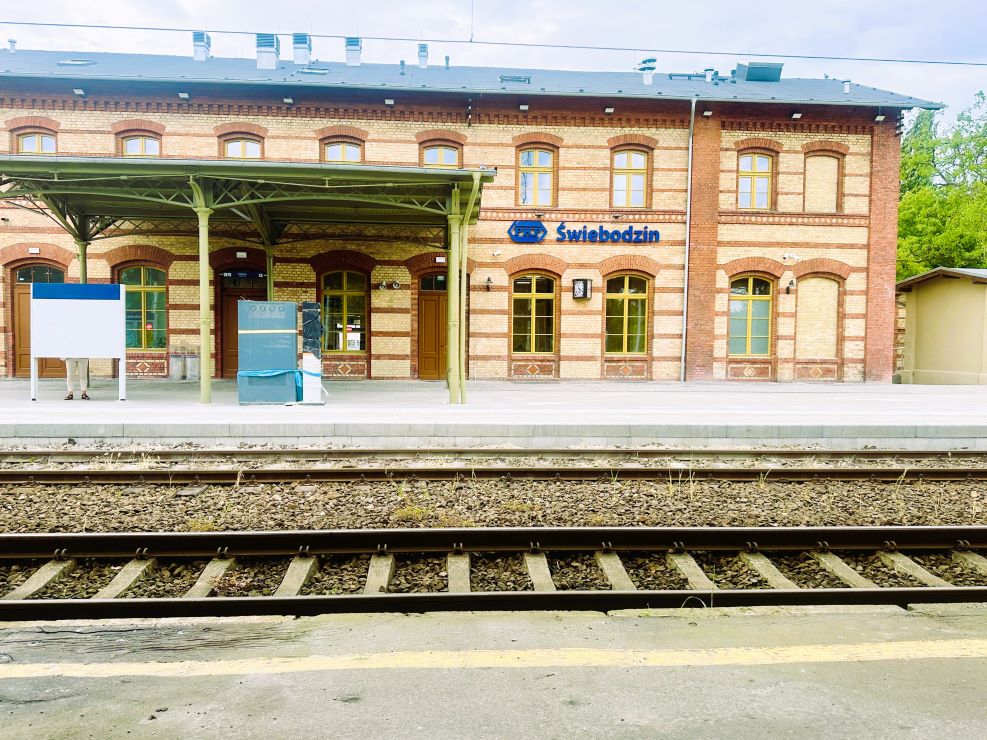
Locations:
{"points": [[410, 414]]}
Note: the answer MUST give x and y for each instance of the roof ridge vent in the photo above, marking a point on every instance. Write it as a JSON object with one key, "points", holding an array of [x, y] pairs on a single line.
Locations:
{"points": [[760, 71], [75, 63], [268, 50], [520, 79], [301, 45], [201, 45], [354, 46]]}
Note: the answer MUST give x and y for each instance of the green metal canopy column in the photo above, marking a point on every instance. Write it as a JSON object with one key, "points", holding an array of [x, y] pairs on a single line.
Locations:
{"points": [[82, 246], [452, 309]]}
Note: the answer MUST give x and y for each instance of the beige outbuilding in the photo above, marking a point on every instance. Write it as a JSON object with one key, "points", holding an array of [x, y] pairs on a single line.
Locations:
{"points": [[945, 339]]}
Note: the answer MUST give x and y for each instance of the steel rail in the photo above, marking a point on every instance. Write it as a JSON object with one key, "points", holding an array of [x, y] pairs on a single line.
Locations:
{"points": [[242, 476], [487, 539]]}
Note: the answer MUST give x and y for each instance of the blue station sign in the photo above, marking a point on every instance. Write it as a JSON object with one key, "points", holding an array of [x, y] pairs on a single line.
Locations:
{"points": [[534, 232]]}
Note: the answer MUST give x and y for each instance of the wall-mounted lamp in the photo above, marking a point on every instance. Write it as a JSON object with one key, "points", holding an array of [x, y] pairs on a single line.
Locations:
{"points": [[788, 288], [539, 215], [707, 113], [608, 110], [395, 285], [523, 107], [879, 118], [616, 216], [796, 116], [382, 286], [183, 95], [489, 283]]}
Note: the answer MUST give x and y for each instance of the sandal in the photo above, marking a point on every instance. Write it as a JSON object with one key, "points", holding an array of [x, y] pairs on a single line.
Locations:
{"points": [[68, 397], [84, 396]]}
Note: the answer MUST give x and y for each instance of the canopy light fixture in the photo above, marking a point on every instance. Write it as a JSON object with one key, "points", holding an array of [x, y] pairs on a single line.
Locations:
{"points": [[79, 91], [523, 107], [388, 101], [608, 110], [707, 113], [879, 118], [288, 100], [796, 116], [183, 95]]}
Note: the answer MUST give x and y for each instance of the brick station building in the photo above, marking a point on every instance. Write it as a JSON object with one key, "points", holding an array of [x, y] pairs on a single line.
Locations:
{"points": [[640, 225]]}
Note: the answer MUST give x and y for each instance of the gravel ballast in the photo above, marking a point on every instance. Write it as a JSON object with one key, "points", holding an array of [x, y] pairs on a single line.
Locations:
{"points": [[490, 572], [338, 575], [944, 566], [729, 571], [167, 581], [88, 577], [652, 572], [577, 573], [14, 574], [416, 575], [252, 577], [804, 571]]}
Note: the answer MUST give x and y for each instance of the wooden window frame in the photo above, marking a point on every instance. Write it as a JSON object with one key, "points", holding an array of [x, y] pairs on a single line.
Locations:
{"points": [[144, 289], [20, 134], [325, 142], [772, 176], [840, 177], [324, 292], [647, 171], [553, 170], [226, 139], [531, 297], [444, 144], [124, 136], [625, 297], [749, 299]]}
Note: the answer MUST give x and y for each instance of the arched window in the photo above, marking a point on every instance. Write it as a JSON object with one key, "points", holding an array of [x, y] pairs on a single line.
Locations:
{"points": [[440, 155], [140, 145], [36, 142], [750, 317], [242, 148], [39, 274], [344, 308], [147, 316], [630, 169], [536, 177], [533, 326], [342, 151], [627, 315], [754, 175], [823, 175]]}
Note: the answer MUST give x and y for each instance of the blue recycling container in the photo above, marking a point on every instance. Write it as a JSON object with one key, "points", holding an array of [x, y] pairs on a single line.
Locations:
{"points": [[267, 334]]}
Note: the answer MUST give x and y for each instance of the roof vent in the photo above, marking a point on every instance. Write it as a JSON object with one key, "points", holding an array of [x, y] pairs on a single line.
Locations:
{"points": [[402, 67], [268, 50], [12, 44], [314, 71], [423, 56], [846, 86], [354, 45], [708, 72], [75, 62], [301, 44], [201, 45], [759, 71], [647, 69], [447, 61], [520, 79]]}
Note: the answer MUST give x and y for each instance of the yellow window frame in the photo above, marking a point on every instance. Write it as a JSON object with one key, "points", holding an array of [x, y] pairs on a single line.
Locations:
{"points": [[627, 174], [625, 297], [38, 136], [342, 145], [143, 288], [531, 298], [750, 298], [143, 138], [754, 175], [243, 141], [346, 294], [441, 148], [536, 170]]}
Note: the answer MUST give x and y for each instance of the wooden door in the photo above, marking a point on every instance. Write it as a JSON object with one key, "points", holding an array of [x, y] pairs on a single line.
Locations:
{"points": [[229, 338], [50, 367], [432, 335]]}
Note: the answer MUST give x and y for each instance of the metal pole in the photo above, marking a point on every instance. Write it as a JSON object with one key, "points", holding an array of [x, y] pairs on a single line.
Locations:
{"points": [[464, 286], [452, 343], [269, 269], [688, 242], [205, 366]]}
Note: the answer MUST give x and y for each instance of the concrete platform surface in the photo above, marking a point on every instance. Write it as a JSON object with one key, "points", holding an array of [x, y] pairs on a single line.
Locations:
{"points": [[845, 672], [513, 414]]}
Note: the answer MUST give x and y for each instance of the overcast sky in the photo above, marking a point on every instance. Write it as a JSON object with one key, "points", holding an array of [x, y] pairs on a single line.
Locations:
{"points": [[948, 29]]}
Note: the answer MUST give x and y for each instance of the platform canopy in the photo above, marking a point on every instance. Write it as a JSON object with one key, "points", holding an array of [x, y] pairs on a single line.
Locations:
{"points": [[268, 203]]}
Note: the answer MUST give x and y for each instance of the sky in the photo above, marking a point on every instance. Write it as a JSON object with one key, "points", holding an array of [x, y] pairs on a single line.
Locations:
{"points": [[949, 30]]}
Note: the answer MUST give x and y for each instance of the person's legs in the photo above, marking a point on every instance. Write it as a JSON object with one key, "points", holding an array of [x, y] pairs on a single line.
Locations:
{"points": [[70, 367], [83, 370]]}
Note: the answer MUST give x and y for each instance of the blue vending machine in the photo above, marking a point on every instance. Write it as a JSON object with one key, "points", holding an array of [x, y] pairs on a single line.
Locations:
{"points": [[268, 345]]}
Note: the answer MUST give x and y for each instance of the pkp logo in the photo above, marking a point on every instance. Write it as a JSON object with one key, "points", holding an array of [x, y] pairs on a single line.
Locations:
{"points": [[527, 232]]}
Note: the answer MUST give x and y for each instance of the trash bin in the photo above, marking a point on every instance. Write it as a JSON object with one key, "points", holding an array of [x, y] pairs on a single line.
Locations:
{"points": [[191, 367], [176, 366]]}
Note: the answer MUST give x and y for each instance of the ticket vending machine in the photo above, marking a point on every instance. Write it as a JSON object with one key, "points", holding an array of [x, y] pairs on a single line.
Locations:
{"points": [[267, 333]]}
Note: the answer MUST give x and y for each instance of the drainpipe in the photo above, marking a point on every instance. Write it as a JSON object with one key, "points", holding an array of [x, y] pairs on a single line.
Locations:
{"points": [[464, 285], [688, 240], [269, 270]]}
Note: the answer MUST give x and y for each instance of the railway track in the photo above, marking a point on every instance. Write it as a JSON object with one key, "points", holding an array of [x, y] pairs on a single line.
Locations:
{"points": [[247, 476], [916, 564]]}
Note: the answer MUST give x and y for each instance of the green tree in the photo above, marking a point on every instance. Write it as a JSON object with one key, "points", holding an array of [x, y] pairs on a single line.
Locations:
{"points": [[942, 216]]}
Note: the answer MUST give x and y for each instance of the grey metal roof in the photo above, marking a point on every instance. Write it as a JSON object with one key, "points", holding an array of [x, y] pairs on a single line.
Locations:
{"points": [[970, 272], [438, 78]]}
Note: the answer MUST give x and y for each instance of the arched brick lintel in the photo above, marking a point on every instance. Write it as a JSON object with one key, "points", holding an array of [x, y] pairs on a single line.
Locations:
{"points": [[754, 264], [137, 124], [440, 134], [822, 266], [342, 259], [538, 137], [759, 142], [49, 252], [628, 263], [425, 262], [648, 142], [227, 256], [826, 146], [42, 122], [240, 127], [341, 130], [138, 253], [535, 262]]}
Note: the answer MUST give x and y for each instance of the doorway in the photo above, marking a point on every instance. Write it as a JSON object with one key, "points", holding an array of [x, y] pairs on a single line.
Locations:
{"points": [[50, 367], [433, 335], [235, 286]]}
